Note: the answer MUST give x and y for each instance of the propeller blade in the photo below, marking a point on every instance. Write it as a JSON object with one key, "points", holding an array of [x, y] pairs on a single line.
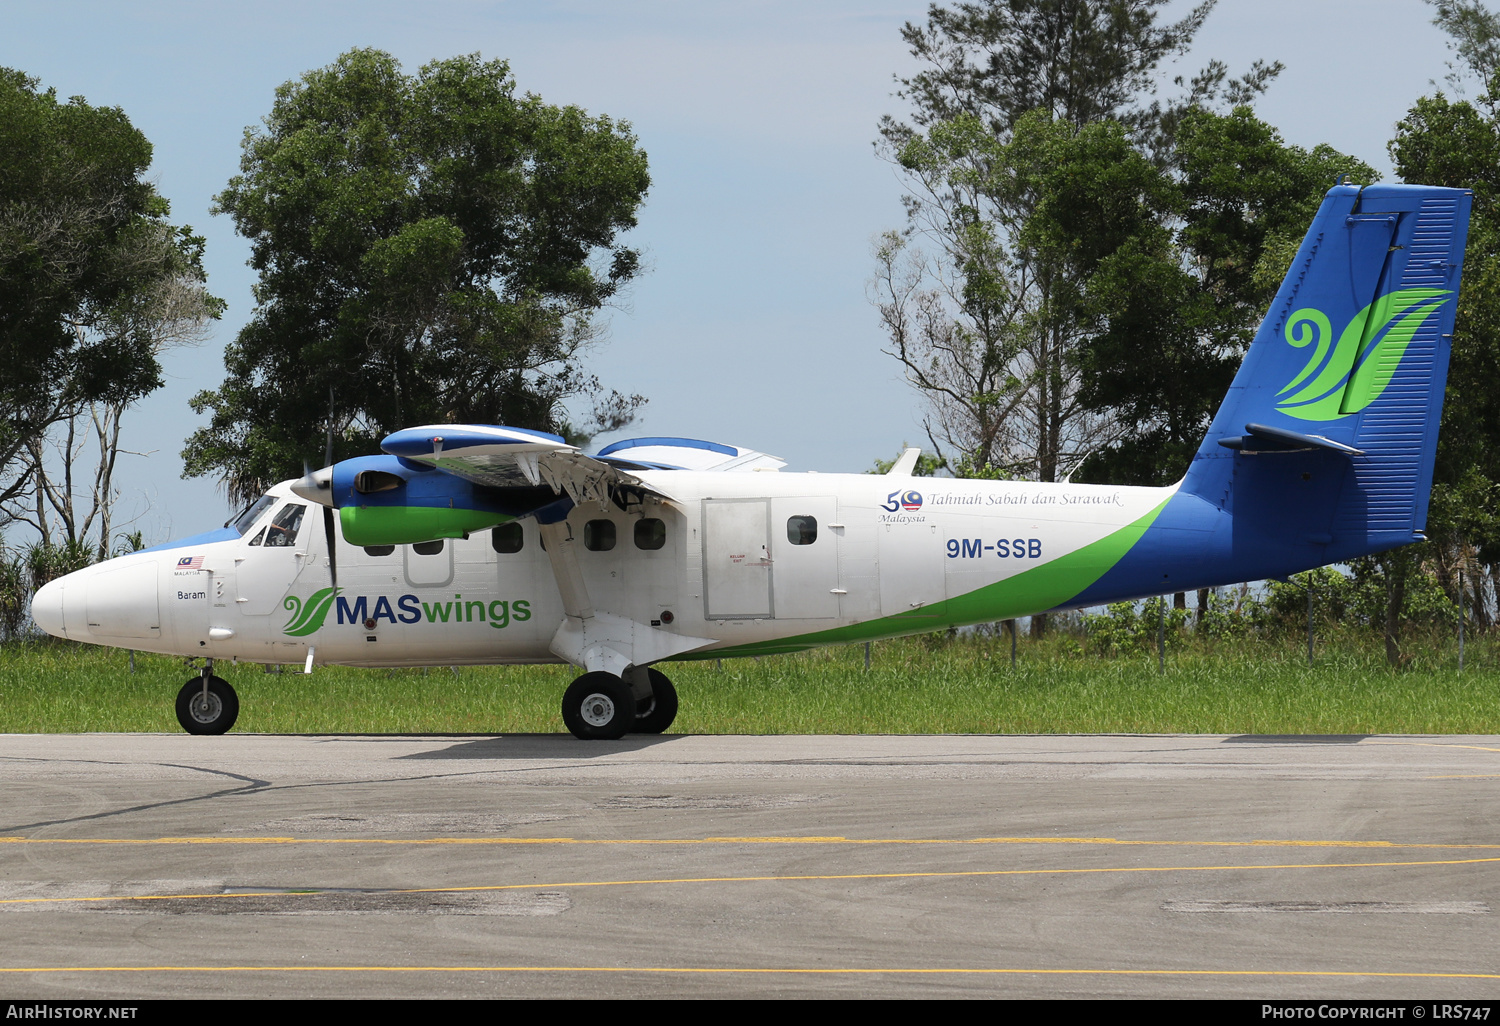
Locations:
{"points": [[330, 531]]}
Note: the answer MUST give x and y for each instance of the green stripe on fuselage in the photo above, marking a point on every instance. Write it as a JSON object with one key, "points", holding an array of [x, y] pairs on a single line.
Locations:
{"points": [[1031, 591]]}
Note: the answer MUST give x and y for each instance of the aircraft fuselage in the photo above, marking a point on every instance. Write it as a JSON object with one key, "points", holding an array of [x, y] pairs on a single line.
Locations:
{"points": [[759, 561]]}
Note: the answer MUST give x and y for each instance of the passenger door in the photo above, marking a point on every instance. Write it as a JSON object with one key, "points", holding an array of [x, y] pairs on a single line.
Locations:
{"points": [[736, 559]]}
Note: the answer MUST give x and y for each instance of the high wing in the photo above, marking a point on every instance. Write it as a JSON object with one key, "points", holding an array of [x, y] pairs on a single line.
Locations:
{"points": [[505, 457], [447, 480], [686, 454]]}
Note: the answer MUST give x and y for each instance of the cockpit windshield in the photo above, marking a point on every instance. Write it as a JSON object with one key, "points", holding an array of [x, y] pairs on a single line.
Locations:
{"points": [[252, 513]]}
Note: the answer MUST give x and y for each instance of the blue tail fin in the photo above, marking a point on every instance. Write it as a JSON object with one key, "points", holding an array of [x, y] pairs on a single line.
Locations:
{"points": [[1329, 433], [1323, 449]]}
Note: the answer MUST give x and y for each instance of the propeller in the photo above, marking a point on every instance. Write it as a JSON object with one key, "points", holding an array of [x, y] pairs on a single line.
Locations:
{"points": [[330, 528], [330, 531]]}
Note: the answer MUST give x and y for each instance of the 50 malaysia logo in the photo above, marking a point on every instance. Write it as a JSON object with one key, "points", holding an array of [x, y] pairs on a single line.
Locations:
{"points": [[910, 501]]}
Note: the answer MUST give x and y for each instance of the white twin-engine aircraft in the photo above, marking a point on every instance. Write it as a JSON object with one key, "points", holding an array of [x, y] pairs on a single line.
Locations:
{"points": [[470, 544]]}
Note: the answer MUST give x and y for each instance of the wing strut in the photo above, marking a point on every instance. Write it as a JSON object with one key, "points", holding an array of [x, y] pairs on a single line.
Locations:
{"points": [[598, 640]]}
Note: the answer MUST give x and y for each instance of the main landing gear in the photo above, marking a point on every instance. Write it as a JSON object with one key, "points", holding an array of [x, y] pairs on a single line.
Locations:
{"points": [[207, 704], [600, 706]]}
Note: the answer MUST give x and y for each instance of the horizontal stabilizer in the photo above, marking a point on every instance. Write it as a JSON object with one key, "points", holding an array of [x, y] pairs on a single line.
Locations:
{"points": [[1261, 438]]}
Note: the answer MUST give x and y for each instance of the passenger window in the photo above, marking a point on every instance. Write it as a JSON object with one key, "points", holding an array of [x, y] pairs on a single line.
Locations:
{"points": [[379, 550], [599, 535], [431, 548], [507, 538], [802, 530], [282, 532], [650, 533]]}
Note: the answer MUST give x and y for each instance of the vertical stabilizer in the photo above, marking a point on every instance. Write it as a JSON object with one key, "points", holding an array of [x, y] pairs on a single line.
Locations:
{"points": [[1329, 432]]}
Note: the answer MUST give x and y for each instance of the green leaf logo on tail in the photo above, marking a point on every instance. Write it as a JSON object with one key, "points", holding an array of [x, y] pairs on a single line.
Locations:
{"points": [[307, 619], [1361, 364]]}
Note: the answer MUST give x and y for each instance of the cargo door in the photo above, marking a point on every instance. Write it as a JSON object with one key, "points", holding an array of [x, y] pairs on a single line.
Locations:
{"points": [[911, 569]]}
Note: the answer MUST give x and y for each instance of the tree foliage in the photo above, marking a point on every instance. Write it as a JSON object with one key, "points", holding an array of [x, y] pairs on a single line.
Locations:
{"points": [[1175, 312], [1473, 36], [1457, 143], [1078, 60], [1035, 159], [430, 248], [95, 283]]}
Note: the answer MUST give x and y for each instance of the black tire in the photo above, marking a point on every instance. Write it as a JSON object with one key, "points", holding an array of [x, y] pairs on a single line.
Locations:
{"points": [[598, 707], [214, 717], [656, 714]]}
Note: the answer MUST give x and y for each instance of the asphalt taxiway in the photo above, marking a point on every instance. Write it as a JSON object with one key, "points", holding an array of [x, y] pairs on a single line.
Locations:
{"points": [[144, 866]]}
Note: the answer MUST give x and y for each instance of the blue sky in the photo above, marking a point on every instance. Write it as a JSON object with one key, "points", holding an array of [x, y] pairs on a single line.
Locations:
{"points": [[752, 325]]}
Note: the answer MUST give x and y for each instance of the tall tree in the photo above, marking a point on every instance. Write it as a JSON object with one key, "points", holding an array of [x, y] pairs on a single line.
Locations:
{"points": [[988, 321], [1474, 37], [431, 248], [95, 283], [1002, 389], [1174, 316], [1457, 143]]}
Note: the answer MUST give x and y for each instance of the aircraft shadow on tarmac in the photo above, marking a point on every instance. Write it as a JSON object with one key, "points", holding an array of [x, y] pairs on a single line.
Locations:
{"points": [[1297, 739], [539, 746]]}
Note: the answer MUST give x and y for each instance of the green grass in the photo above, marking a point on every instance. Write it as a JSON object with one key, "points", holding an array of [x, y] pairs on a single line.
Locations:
{"points": [[915, 686]]}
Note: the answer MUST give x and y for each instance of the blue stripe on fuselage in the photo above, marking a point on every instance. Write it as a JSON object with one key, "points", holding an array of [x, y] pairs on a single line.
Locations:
{"points": [[218, 534]]}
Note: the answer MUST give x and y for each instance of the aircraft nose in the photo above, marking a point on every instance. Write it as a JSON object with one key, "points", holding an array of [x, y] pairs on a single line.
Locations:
{"points": [[47, 609]]}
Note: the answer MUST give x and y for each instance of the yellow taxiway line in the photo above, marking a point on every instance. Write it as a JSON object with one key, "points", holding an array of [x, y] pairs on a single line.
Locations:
{"points": [[767, 878], [747, 970], [690, 841]]}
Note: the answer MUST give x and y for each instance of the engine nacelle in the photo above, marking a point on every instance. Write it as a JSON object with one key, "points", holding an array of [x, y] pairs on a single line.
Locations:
{"points": [[387, 500]]}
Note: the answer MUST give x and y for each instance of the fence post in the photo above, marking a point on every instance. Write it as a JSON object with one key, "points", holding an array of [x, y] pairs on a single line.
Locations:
{"points": [[1161, 636], [1460, 619], [867, 656], [1309, 619]]}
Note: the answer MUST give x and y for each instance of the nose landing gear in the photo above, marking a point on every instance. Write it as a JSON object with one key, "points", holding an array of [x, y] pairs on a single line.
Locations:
{"points": [[207, 704]]}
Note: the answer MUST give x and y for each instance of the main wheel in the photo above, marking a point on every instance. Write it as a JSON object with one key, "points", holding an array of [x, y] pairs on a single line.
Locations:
{"points": [[598, 707], [656, 714], [211, 714]]}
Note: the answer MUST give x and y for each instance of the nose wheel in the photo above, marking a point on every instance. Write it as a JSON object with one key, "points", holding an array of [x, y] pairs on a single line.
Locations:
{"points": [[207, 705]]}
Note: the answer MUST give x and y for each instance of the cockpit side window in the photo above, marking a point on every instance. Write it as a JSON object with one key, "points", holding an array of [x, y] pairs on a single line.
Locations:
{"points": [[252, 513], [283, 529]]}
